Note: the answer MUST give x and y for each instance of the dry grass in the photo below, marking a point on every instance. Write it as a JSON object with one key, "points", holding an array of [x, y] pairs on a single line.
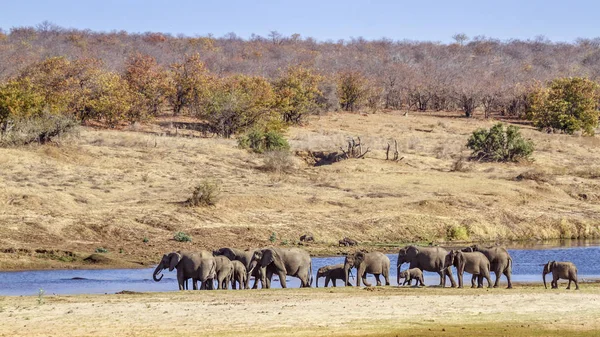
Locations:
{"points": [[114, 188]]}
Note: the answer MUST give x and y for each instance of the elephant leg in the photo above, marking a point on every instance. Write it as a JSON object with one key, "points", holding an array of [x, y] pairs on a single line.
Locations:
{"points": [[378, 280], [498, 273], [442, 278], [420, 281], [473, 278], [507, 273], [282, 280], [181, 282], [569, 285], [448, 272], [460, 278], [195, 283], [576, 284]]}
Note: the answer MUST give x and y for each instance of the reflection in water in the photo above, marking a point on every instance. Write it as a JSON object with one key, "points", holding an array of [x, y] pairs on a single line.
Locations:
{"points": [[526, 268]]}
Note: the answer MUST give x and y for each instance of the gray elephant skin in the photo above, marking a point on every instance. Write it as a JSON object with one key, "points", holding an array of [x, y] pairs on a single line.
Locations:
{"points": [[560, 270], [411, 274], [500, 261], [223, 271], [331, 273], [367, 263], [427, 259], [475, 263], [239, 275], [199, 266], [293, 262], [245, 257]]}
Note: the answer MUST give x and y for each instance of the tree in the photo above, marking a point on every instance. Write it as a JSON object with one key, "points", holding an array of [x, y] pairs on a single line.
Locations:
{"points": [[297, 93], [188, 83], [237, 103], [567, 104], [148, 81], [352, 90]]}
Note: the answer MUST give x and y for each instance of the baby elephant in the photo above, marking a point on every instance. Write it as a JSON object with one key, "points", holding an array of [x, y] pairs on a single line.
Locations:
{"points": [[331, 272], [560, 270], [411, 274]]}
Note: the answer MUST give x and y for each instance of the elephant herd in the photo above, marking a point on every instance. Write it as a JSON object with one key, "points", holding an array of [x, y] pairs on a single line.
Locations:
{"points": [[236, 267]]}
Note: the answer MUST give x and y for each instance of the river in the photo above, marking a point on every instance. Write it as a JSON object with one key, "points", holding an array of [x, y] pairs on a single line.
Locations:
{"points": [[526, 268]]}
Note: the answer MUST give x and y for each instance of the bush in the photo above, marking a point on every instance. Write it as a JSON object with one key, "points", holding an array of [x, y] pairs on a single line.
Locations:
{"points": [[278, 161], [205, 194], [567, 104], [457, 232], [273, 237], [40, 130], [499, 144], [182, 237], [101, 250], [260, 141]]}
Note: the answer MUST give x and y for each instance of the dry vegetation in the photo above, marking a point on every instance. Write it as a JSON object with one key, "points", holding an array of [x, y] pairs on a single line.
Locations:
{"points": [[126, 191], [390, 311]]}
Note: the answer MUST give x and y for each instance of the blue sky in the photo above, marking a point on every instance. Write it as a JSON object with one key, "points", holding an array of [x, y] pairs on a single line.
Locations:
{"points": [[323, 20]]}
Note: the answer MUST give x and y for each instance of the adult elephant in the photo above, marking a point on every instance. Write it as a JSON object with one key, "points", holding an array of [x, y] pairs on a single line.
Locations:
{"points": [[245, 257], [374, 263], [331, 273], [500, 261], [223, 271], [474, 263], [282, 261], [427, 259], [564, 270], [239, 275], [199, 266]]}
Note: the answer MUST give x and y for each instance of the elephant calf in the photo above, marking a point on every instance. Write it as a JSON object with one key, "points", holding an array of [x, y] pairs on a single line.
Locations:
{"points": [[331, 272], [411, 274], [224, 271], [239, 275], [560, 270], [473, 263]]}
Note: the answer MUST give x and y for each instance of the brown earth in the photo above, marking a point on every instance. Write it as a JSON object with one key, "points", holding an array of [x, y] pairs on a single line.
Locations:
{"points": [[117, 189], [527, 310]]}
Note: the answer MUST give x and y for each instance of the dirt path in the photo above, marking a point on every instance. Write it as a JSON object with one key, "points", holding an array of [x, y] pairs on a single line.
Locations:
{"points": [[528, 310]]}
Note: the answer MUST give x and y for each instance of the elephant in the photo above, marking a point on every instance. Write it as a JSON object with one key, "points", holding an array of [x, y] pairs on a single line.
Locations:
{"points": [[331, 272], [245, 257], [347, 242], [500, 261], [560, 270], [411, 274], [239, 275], [427, 259], [199, 266], [475, 263], [224, 271], [282, 261], [373, 263]]}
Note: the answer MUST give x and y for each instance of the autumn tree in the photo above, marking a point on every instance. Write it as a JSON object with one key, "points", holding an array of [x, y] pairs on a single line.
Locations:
{"points": [[353, 90], [148, 81], [188, 83], [567, 104], [236, 103], [296, 94]]}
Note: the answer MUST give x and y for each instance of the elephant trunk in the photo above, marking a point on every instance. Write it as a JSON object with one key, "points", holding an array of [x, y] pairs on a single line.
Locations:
{"points": [[157, 271], [346, 274], [317, 280]]}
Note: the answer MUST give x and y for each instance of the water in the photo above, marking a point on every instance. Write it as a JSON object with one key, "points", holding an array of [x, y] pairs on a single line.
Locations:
{"points": [[526, 268]]}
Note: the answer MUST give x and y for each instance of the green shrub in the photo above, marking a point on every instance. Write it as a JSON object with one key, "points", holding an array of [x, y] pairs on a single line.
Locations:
{"points": [[567, 104], [457, 232], [261, 141], [273, 237], [499, 144], [101, 250], [182, 237], [205, 194]]}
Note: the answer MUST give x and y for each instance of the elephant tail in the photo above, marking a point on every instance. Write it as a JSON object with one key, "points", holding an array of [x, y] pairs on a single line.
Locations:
{"points": [[510, 262], [310, 274]]}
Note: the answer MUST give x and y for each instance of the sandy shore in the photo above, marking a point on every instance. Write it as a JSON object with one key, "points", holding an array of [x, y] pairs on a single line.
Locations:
{"points": [[524, 311]]}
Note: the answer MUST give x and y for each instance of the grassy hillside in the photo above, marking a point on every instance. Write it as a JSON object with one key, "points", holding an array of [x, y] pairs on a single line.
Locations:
{"points": [[112, 189]]}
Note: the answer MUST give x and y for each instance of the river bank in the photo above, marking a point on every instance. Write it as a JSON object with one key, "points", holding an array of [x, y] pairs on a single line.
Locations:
{"points": [[527, 310]]}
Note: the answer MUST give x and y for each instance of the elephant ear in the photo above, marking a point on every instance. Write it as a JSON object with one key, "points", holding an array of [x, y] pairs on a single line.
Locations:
{"points": [[227, 252], [359, 257], [412, 249], [174, 259], [459, 258], [272, 256]]}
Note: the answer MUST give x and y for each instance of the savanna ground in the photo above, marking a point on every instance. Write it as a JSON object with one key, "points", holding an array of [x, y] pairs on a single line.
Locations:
{"points": [[124, 190], [527, 310]]}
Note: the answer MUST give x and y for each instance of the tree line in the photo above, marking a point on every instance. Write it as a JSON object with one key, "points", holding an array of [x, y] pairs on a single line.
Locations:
{"points": [[234, 83]]}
